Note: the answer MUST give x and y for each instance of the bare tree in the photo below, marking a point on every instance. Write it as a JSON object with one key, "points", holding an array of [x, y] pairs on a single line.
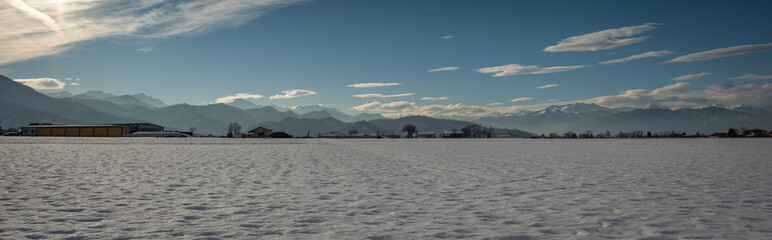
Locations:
{"points": [[234, 129], [410, 129]]}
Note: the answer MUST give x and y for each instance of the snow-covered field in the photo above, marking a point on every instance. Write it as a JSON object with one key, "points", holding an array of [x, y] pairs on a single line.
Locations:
{"points": [[94, 188]]}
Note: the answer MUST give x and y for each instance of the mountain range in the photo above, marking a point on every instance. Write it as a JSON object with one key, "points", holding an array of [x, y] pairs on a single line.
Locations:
{"points": [[21, 105], [581, 117]]}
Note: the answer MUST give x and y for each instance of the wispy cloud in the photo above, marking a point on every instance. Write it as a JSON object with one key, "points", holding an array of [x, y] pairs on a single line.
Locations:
{"points": [[676, 95], [447, 37], [145, 49], [548, 86], [521, 99], [444, 69], [405, 108], [42, 83], [639, 56], [74, 84], [35, 14], [230, 99], [606, 39], [385, 107], [495, 104], [287, 94], [28, 30], [434, 98], [690, 76], [517, 69], [752, 77], [370, 85], [378, 95], [723, 52]]}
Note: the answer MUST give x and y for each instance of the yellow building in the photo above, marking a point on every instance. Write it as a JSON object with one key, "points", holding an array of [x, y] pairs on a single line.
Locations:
{"points": [[75, 130]]}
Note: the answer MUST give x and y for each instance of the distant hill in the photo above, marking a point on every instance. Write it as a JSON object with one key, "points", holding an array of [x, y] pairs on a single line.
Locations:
{"points": [[268, 114], [62, 94], [137, 99], [581, 117], [243, 104], [20, 105], [301, 126], [150, 100]]}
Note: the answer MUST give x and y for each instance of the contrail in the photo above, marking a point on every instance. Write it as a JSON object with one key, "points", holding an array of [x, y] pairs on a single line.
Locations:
{"points": [[48, 21]]}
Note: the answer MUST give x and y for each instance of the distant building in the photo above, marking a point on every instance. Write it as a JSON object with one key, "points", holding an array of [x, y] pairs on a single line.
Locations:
{"points": [[143, 127], [755, 133], [106, 130], [426, 135], [259, 132], [344, 135], [452, 134], [719, 135]]}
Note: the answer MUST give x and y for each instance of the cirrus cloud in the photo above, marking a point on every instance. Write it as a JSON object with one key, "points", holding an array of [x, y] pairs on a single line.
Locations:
{"points": [[606, 39], [517, 69], [751, 76], [42, 83], [378, 95], [548, 86], [370, 85], [521, 99], [287, 94], [723, 52], [230, 99], [434, 98], [27, 29], [639, 56], [444, 69], [690, 76]]}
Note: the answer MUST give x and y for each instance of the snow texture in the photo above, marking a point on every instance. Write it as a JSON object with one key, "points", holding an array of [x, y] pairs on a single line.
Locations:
{"points": [[92, 188]]}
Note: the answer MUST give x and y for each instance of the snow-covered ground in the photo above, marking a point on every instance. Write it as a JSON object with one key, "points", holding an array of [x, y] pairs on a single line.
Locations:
{"points": [[385, 189]]}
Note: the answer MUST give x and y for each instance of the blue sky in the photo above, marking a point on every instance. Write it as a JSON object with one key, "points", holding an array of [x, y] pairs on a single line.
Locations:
{"points": [[200, 51]]}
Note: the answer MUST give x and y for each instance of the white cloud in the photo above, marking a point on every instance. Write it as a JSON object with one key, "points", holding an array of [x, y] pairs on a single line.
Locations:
{"points": [[42, 83], [145, 49], [516, 69], [378, 95], [230, 99], [434, 98], [34, 13], [606, 39], [287, 94], [30, 31], [639, 56], [444, 69], [676, 95], [385, 107], [67, 79], [548, 86], [753, 77], [404, 108], [521, 99], [370, 85], [447, 37], [723, 52], [74, 84], [691, 76]]}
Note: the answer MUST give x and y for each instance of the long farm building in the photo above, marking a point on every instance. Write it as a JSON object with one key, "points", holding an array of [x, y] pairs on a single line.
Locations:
{"points": [[75, 130]]}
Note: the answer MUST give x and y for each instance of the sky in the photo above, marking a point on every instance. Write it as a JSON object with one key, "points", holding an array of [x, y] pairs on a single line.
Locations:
{"points": [[437, 58]]}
